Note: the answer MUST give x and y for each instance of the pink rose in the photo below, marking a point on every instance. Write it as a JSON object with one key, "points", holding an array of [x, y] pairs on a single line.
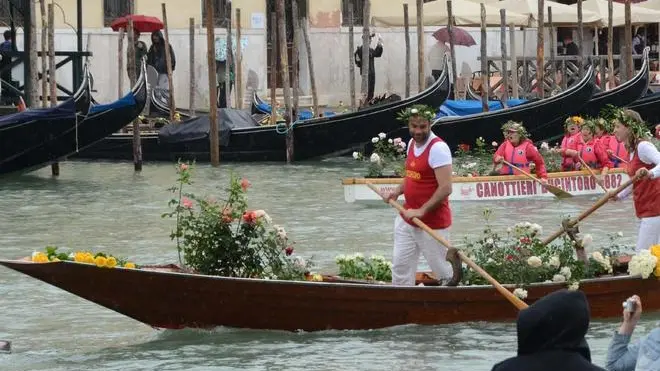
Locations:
{"points": [[187, 203]]}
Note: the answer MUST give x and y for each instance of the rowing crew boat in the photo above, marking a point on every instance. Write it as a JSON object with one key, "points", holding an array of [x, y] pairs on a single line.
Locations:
{"points": [[502, 187]]}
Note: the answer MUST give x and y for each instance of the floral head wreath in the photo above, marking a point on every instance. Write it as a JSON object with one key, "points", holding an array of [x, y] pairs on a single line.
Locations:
{"points": [[634, 122], [576, 120], [603, 124], [589, 124], [514, 126], [418, 110]]}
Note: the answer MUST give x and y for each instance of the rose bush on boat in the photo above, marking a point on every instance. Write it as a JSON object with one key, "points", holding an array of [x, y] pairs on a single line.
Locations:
{"points": [[225, 238], [387, 157]]}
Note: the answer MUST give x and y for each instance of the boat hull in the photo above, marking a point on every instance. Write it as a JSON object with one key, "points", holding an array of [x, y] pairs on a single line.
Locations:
{"points": [[179, 300], [487, 188]]}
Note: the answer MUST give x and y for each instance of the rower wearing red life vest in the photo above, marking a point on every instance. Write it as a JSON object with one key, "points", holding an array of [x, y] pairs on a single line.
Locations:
{"points": [[615, 149], [519, 151], [591, 151], [506, 125], [644, 157], [426, 188], [572, 138]]}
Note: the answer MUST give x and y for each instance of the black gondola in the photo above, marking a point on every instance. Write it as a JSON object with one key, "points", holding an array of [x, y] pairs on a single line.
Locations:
{"points": [[466, 129], [319, 137], [622, 95], [101, 121], [23, 132], [648, 107]]}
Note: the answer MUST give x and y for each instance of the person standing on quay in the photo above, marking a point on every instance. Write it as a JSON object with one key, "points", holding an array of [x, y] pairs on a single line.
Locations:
{"points": [[426, 188], [373, 53], [630, 129]]}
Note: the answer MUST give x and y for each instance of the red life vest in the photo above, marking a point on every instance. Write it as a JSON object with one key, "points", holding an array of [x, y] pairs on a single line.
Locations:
{"points": [[570, 142], [657, 131], [516, 156], [419, 185], [646, 192], [588, 154], [618, 149]]}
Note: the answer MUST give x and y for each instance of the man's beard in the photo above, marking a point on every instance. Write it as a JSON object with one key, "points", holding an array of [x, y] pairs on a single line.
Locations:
{"points": [[421, 138]]}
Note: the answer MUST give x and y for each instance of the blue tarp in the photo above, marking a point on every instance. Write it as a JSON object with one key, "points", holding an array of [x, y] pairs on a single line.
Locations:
{"points": [[126, 100], [68, 108], [470, 107], [302, 115]]}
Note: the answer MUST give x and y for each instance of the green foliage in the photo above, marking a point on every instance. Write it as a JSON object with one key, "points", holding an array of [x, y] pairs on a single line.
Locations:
{"points": [[356, 266]]}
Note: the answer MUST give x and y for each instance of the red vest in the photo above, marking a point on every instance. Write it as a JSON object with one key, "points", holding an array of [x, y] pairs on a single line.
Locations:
{"points": [[618, 149], [646, 192], [516, 156], [570, 142], [419, 185], [588, 154]]}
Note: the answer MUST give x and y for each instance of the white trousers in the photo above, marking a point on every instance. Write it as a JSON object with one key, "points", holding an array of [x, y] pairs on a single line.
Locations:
{"points": [[409, 242], [649, 233]]}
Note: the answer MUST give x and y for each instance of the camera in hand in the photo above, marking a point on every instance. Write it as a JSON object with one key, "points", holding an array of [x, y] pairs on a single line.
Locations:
{"points": [[629, 305]]}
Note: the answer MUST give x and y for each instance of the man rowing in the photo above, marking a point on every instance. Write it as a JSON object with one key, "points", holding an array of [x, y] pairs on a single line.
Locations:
{"points": [[426, 188]]}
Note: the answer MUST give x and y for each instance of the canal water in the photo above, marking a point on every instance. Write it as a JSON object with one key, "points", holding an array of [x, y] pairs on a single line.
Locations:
{"points": [[107, 207]]}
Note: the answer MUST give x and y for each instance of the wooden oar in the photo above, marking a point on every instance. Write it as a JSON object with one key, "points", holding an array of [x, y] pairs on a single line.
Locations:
{"points": [[586, 166], [602, 201], [560, 193], [506, 293]]}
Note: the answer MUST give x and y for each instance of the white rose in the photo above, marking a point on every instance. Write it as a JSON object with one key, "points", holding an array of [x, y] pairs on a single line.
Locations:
{"points": [[382, 135], [403, 145], [494, 144], [490, 260], [545, 146], [566, 272], [356, 155], [374, 157], [597, 256], [520, 293], [534, 262], [619, 233], [414, 111], [489, 241], [374, 140], [554, 262], [574, 286], [397, 141], [390, 141], [558, 278], [587, 239], [537, 228]]}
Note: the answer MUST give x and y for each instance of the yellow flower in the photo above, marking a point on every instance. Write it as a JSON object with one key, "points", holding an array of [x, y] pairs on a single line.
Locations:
{"points": [[655, 250], [89, 258], [79, 257], [111, 262], [54, 259], [129, 265], [317, 277], [100, 261], [39, 258]]}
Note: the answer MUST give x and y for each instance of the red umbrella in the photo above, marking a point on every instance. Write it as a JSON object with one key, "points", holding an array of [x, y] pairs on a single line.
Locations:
{"points": [[141, 23], [461, 37]]}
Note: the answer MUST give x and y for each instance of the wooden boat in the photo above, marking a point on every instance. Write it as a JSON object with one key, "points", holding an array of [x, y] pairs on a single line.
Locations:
{"points": [[23, 132], [167, 298], [315, 138], [534, 115], [488, 188], [101, 121], [648, 107]]}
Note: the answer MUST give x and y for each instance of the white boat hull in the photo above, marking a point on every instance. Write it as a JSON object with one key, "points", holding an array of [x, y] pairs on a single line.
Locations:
{"points": [[506, 187]]}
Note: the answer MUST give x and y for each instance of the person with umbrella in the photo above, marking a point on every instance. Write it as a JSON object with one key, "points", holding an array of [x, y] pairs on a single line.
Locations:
{"points": [[441, 48], [156, 58]]}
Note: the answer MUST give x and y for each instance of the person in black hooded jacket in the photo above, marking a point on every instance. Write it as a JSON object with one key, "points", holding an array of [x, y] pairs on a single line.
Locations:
{"points": [[551, 335], [156, 58]]}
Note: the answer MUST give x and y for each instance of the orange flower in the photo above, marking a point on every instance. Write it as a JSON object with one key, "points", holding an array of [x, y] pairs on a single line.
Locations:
{"points": [[249, 217], [245, 184]]}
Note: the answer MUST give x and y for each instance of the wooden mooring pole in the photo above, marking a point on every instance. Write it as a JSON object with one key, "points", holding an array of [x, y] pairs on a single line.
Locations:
{"points": [[132, 75], [239, 62], [420, 45], [351, 48], [120, 62], [191, 54], [630, 66], [610, 38], [553, 51], [485, 81], [366, 45], [214, 141], [273, 68], [295, 60], [52, 72], [33, 91], [540, 19], [505, 71], [44, 62], [284, 68], [514, 61], [230, 57], [580, 35], [168, 62], [406, 33], [450, 32], [310, 65]]}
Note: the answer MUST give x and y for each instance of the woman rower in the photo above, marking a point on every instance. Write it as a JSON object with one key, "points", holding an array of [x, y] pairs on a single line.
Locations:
{"points": [[572, 138], [591, 151], [506, 125], [630, 129], [519, 151], [616, 150]]}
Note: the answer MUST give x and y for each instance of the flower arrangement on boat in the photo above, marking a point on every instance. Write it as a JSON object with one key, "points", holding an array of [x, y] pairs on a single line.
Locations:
{"points": [[387, 157], [100, 259], [357, 266], [223, 237]]}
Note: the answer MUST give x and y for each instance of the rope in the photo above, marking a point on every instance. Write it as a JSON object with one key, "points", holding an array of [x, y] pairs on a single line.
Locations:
{"points": [[281, 127]]}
